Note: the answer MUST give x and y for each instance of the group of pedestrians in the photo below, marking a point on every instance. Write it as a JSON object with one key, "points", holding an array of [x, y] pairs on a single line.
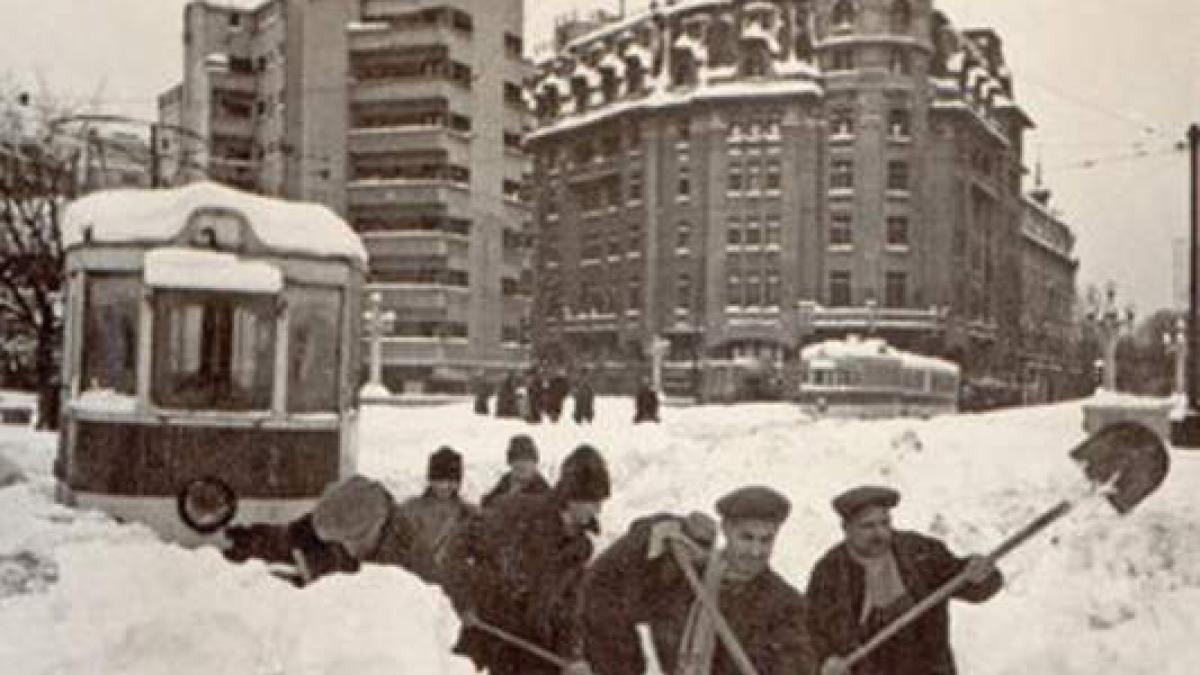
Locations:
{"points": [[537, 397], [534, 600]]}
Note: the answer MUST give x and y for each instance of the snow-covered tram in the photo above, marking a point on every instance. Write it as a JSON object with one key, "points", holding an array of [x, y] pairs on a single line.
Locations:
{"points": [[868, 378], [210, 356]]}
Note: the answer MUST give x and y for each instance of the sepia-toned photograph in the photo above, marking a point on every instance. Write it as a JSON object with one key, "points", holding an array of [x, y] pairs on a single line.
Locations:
{"points": [[599, 337]]}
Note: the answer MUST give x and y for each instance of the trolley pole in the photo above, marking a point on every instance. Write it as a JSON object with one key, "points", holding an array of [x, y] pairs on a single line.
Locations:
{"points": [[1186, 432]]}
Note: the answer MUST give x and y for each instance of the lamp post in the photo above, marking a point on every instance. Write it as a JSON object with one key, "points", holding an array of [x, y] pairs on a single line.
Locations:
{"points": [[378, 321], [1176, 343], [1110, 323]]}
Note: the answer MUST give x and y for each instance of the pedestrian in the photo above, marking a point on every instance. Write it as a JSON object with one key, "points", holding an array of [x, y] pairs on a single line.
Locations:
{"points": [[556, 393], [519, 567], [625, 586], [523, 476], [506, 398], [645, 403], [483, 391], [877, 573], [346, 528], [534, 397], [766, 614], [426, 522], [585, 400]]}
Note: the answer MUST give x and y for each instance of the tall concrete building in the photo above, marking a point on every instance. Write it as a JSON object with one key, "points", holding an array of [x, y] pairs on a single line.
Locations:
{"points": [[741, 177], [1051, 368], [406, 117]]}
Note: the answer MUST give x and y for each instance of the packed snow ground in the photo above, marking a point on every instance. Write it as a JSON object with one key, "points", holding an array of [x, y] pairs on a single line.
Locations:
{"points": [[1096, 595]]}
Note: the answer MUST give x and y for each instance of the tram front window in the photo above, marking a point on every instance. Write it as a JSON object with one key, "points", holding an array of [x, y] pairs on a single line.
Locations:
{"points": [[213, 352], [110, 333]]}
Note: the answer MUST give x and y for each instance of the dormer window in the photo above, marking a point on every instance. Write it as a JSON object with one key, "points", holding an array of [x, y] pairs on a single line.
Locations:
{"points": [[755, 61], [899, 123], [685, 70], [843, 15]]}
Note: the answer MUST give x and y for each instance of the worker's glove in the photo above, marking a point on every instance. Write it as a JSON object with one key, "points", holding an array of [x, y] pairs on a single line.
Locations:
{"points": [[835, 665], [696, 533], [577, 668]]}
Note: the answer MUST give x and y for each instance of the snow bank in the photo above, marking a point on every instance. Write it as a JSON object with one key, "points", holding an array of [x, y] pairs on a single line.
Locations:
{"points": [[1097, 595]]}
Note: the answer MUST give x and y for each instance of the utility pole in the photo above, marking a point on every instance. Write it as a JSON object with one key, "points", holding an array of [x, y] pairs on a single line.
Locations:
{"points": [[155, 177], [1186, 432]]}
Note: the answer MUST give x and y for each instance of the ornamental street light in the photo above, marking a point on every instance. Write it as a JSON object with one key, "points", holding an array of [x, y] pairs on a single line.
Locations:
{"points": [[1110, 323], [378, 322], [1176, 343]]}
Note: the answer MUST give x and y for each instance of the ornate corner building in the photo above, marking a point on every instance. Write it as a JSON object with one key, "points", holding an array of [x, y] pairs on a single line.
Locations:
{"points": [[741, 177]]}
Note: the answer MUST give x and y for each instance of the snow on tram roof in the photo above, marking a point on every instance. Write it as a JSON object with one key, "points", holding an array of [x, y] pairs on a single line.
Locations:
{"points": [[855, 347], [150, 216]]}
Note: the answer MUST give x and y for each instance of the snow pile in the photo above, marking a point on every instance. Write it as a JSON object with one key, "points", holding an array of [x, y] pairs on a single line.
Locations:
{"points": [[1096, 595]]}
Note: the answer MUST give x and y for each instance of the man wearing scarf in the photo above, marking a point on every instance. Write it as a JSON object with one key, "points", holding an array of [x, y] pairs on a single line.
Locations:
{"points": [[765, 613], [874, 576]]}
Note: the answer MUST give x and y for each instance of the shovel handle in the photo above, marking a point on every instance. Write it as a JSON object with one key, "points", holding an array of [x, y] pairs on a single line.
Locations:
{"points": [[952, 586], [516, 641], [728, 639]]}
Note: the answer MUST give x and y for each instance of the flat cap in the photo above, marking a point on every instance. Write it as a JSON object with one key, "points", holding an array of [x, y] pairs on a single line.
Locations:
{"points": [[850, 502], [521, 447], [755, 502]]}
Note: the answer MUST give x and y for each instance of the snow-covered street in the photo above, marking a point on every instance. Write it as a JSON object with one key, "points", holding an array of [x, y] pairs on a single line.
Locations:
{"points": [[1096, 595]]}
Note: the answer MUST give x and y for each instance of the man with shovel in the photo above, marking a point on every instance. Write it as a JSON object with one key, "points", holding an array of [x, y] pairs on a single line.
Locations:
{"points": [[514, 574], [741, 618], [876, 575]]}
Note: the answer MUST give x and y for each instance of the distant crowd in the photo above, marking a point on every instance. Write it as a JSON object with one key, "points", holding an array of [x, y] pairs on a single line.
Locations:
{"points": [[538, 396], [534, 598]]}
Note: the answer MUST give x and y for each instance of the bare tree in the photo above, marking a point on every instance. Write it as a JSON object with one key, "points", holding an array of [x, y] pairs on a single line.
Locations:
{"points": [[39, 175]]}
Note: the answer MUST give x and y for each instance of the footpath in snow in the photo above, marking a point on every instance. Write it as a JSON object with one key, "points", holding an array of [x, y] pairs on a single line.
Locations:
{"points": [[1095, 595]]}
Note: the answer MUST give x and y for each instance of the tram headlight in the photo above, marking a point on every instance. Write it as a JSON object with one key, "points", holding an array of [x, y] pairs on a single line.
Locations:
{"points": [[206, 504]]}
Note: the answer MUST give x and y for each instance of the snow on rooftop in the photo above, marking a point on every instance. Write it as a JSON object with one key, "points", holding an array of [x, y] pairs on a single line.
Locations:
{"points": [[158, 216], [197, 269], [620, 26]]}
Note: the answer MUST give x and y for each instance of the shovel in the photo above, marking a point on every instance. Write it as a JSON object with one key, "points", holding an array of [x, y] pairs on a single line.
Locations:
{"points": [[740, 659], [521, 643], [1124, 461]]}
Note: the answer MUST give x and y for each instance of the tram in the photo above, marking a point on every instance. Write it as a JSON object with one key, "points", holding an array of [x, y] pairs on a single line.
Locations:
{"points": [[210, 354], [868, 378]]}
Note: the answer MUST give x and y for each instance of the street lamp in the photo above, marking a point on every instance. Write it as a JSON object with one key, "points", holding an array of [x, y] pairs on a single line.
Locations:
{"points": [[1176, 344], [378, 321], [1110, 323]]}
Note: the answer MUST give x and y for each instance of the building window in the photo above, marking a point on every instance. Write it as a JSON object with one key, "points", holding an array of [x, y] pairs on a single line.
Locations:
{"points": [[772, 290], [899, 123], [841, 230], [841, 122], [683, 129], [840, 59], [753, 236], [897, 231], [733, 291], [512, 141], [841, 174], [734, 182], [685, 182], [635, 294], [753, 290], [512, 95], [462, 21], [683, 291], [733, 232], [901, 16], [513, 45], [843, 14], [897, 175], [839, 288], [683, 235], [635, 186], [773, 231], [774, 179], [895, 289], [900, 63]]}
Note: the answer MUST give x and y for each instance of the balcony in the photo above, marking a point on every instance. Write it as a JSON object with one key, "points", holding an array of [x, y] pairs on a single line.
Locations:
{"points": [[394, 37], [869, 318], [421, 351], [411, 88], [229, 125], [448, 302], [417, 243], [240, 82], [411, 139], [416, 195]]}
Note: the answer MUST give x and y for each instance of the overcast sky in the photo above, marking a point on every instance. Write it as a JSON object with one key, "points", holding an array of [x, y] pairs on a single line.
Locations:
{"points": [[1112, 86]]}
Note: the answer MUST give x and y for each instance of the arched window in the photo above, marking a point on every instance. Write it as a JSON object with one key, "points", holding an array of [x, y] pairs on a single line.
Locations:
{"points": [[843, 14], [901, 16], [685, 70]]}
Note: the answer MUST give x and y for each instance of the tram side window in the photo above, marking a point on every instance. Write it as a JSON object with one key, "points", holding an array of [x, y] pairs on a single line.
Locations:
{"points": [[111, 334], [213, 352], [314, 319]]}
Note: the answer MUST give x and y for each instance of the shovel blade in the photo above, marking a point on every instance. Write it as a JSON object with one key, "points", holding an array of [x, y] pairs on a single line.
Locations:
{"points": [[1128, 459]]}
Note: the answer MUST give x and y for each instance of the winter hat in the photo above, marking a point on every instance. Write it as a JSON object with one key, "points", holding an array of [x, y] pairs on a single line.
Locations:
{"points": [[850, 502], [583, 477], [445, 464], [350, 510], [521, 447], [755, 502]]}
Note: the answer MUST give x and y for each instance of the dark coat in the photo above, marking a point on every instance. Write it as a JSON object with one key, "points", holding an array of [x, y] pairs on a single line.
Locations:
{"points": [[835, 592], [535, 398], [518, 568], [536, 486], [623, 588], [424, 526], [482, 391], [767, 615], [556, 393], [645, 405], [585, 402], [506, 399]]}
